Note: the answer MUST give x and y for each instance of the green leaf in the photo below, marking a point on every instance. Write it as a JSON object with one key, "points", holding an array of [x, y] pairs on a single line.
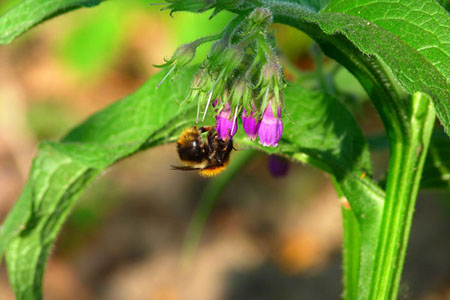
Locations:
{"points": [[321, 132], [324, 130], [30, 13], [407, 66], [61, 171], [424, 25]]}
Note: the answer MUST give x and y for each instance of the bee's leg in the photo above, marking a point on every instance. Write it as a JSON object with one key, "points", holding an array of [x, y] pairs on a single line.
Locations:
{"points": [[185, 168], [205, 129]]}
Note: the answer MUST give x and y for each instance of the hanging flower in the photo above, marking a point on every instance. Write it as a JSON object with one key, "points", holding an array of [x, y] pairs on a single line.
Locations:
{"points": [[271, 127], [226, 124], [251, 124]]}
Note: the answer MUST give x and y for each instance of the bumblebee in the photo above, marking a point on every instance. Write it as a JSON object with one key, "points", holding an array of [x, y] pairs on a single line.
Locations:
{"points": [[208, 157]]}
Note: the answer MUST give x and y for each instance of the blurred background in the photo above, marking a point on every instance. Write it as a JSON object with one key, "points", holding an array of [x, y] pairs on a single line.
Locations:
{"points": [[267, 237]]}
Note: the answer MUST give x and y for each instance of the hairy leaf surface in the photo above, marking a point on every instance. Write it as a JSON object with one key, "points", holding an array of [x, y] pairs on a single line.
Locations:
{"points": [[423, 25]]}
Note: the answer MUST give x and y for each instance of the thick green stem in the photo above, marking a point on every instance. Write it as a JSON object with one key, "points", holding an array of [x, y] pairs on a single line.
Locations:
{"points": [[405, 169]]}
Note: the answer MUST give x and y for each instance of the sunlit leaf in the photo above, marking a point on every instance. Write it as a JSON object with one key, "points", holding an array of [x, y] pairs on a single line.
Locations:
{"points": [[420, 39]]}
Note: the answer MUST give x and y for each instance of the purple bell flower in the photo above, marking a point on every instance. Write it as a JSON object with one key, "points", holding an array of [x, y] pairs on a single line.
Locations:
{"points": [[225, 128], [271, 128], [251, 124]]}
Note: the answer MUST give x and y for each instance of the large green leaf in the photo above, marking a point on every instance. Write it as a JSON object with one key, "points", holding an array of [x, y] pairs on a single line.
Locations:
{"points": [[62, 170], [424, 25], [30, 13], [321, 132]]}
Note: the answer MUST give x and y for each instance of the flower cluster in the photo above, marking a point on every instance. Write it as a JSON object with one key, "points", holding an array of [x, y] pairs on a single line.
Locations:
{"points": [[241, 76]]}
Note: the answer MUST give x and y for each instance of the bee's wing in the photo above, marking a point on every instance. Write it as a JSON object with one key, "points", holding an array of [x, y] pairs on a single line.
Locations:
{"points": [[186, 168]]}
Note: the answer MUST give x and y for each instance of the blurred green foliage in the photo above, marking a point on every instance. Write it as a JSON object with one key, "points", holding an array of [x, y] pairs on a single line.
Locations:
{"points": [[95, 41], [97, 38]]}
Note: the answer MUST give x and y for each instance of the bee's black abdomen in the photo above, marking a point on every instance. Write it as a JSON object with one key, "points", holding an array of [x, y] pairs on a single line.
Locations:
{"points": [[191, 151], [191, 147]]}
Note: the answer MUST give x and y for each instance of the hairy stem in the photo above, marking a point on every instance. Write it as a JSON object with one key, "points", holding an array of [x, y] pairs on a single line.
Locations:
{"points": [[405, 169], [351, 243]]}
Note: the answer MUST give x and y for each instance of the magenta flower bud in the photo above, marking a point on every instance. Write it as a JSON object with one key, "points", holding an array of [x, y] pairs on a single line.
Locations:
{"points": [[278, 166], [271, 128], [251, 124], [225, 128]]}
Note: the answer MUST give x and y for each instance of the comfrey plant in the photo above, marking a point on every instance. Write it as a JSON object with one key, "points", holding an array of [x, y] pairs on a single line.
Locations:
{"points": [[398, 50]]}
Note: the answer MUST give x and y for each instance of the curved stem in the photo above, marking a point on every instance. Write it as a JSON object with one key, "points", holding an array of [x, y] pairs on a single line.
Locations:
{"points": [[405, 170]]}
